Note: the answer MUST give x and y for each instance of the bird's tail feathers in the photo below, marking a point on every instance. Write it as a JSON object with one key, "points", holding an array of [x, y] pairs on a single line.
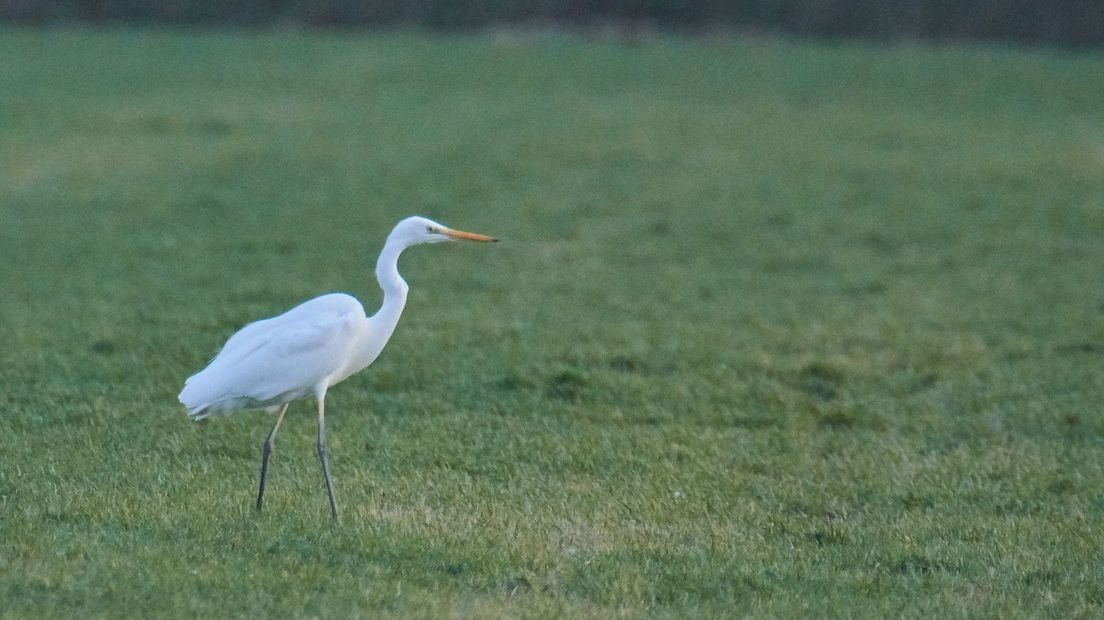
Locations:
{"points": [[197, 397]]}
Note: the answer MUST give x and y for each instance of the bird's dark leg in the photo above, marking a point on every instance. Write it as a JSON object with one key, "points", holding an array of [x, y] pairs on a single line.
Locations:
{"points": [[266, 450], [322, 456]]}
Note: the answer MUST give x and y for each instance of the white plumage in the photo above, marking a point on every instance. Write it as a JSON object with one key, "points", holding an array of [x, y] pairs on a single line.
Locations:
{"points": [[275, 361], [303, 352]]}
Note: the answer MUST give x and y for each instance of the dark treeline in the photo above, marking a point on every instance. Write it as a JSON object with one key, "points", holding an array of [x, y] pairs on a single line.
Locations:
{"points": [[1066, 22]]}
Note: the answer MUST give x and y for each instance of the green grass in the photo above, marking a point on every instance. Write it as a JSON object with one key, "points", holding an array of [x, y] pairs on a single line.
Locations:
{"points": [[776, 329]]}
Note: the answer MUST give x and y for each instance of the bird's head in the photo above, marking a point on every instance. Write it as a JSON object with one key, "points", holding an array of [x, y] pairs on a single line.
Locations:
{"points": [[415, 230]]}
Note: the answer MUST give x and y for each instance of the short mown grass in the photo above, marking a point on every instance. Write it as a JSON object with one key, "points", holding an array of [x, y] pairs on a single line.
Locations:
{"points": [[776, 329]]}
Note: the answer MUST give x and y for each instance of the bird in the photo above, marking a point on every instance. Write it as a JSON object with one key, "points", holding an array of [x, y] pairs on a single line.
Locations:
{"points": [[302, 353]]}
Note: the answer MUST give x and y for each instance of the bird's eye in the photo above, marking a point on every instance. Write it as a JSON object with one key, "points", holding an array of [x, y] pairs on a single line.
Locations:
{"points": [[429, 229]]}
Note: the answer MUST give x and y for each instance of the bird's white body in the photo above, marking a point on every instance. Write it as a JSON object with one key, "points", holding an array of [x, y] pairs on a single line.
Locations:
{"points": [[301, 352], [306, 350], [294, 355]]}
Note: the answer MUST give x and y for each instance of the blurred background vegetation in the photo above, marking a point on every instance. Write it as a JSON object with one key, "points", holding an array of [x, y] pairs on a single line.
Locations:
{"points": [[1062, 22]]}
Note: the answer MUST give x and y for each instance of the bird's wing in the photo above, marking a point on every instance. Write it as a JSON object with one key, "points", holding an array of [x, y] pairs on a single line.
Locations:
{"points": [[281, 358]]}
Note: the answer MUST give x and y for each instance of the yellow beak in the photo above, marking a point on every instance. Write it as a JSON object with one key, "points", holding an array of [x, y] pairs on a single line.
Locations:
{"points": [[459, 234]]}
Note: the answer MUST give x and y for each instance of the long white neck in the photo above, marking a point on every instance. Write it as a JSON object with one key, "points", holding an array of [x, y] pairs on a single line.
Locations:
{"points": [[383, 322]]}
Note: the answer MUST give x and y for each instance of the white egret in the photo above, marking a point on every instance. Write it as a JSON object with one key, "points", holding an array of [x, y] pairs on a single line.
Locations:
{"points": [[303, 352]]}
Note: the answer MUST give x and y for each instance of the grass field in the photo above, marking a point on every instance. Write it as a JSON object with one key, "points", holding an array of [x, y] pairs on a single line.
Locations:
{"points": [[776, 329]]}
